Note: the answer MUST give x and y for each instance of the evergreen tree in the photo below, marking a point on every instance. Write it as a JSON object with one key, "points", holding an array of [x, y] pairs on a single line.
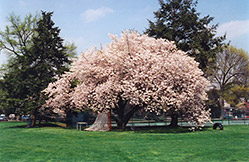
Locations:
{"points": [[13, 88], [47, 58], [179, 21], [30, 72]]}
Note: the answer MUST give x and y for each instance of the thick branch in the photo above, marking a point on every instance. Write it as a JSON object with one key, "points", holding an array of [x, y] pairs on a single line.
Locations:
{"points": [[130, 114], [9, 49]]}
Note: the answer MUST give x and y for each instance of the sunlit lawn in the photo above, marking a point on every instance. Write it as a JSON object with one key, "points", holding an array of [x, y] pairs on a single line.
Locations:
{"points": [[18, 143]]}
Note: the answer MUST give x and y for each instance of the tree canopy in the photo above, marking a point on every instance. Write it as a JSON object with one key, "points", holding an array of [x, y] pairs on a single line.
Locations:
{"points": [[16, 38], [16, 41], [230, 77], [133, 72], [36, 60], [179, 21], [232, 66]]}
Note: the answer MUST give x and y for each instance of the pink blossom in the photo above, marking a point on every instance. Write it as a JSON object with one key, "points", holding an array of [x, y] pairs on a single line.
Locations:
{"points": [[146, 72]]}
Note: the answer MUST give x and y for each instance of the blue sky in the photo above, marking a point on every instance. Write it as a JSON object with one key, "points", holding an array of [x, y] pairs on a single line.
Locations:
{"points": [[88, 22]]}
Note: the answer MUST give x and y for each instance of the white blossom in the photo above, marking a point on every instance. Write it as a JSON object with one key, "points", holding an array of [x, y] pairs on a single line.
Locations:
{"points": [[151, 73]]}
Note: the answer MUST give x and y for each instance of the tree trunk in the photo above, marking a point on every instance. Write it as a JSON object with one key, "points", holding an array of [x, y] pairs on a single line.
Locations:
{"points": [[33, 118], [40, 120], [123, 112], [125, 116], [120, 120], [69, 122], [100, 123], [222, 102], [121, 125], [109, 121], [174, 120]]}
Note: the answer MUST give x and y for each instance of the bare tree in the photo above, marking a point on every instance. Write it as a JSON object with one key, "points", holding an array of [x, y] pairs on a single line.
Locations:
{"points": [[232, 67]]}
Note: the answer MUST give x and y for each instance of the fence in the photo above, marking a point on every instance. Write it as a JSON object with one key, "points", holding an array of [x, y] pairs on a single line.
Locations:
{"points": [[240, 121], [145, 121], [138, 123]]}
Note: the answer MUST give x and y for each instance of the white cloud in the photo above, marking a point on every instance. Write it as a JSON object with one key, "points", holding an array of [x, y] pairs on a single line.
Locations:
{"points": [[234, 29], [91, 15]]}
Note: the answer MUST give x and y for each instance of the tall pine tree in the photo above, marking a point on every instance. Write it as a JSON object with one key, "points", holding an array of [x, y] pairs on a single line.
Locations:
{"points": [[31, 72], [179, 21], [47, 59], [48, 56]]}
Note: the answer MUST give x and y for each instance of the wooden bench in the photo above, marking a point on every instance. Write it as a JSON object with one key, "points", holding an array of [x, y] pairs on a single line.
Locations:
{"points": [[79, 124]]}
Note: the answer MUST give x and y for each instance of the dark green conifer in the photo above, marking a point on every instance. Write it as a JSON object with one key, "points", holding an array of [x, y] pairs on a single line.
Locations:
{"points": [[179, 21]]}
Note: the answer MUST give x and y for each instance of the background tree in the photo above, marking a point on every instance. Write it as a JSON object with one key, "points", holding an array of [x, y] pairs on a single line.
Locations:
{"points": [[179, 21], [230, 74], [47, 58], [214, 103], [13, 98], [71, 49], [3, 100], [134, 72], [237, 94], [15, 40], [35, 62]]}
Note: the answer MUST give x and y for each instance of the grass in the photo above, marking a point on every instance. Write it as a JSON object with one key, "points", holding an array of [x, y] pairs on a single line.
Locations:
{"points": [[18, 143]]}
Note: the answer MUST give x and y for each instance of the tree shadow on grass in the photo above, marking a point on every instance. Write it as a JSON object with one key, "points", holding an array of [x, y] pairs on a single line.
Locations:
{"points": [[25, 125], [163, 129]]}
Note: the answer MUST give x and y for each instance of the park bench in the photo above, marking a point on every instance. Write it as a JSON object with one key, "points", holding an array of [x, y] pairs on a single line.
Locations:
{"points": [[79, 124]]}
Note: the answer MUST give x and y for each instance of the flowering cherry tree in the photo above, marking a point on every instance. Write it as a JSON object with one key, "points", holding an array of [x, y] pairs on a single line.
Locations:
{"points": [[134, 72]]}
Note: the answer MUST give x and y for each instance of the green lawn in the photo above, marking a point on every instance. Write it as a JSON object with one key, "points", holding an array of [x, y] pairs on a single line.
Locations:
{"points": [[58, 144]]}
